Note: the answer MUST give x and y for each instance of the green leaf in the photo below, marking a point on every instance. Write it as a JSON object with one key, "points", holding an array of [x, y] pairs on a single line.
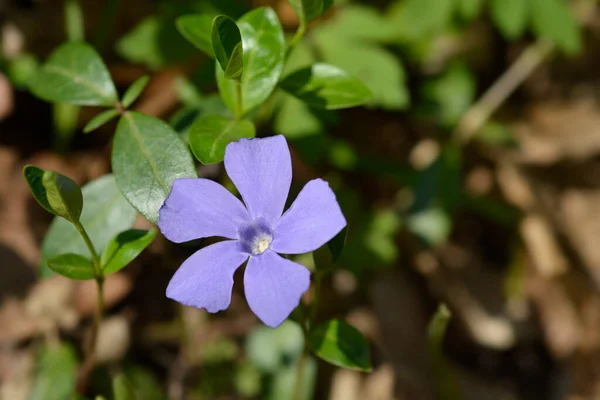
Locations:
{"points": [[341, 344], [375, 67], [134, 91], [309, 10], [510, 16], [55, 373], [264, 58], [99, 120], [419, 19], [227, 46], [72, 266], [553, 20], [445, 380], [122, 389], [210, 134], [268, 349], [106, 213], [469, 9], [124, 248], [75, 73], [359, 22], [147, 157], [326, 86], [56, 193], [197, 29]]}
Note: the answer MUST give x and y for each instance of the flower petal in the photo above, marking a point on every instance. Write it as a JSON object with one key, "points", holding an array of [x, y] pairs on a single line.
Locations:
{"points": [[261, 169], [205, 279], [198, 208], [311, 221], [274, 286]]}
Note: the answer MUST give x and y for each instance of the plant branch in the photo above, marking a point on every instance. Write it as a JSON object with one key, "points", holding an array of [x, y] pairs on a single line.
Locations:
{"points": [[296, 39]]}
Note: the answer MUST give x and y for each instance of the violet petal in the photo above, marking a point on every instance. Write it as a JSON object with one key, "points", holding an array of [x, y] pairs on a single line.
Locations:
{"points": [[261, 169], [274, 286], [311, 221], [205, 280]]}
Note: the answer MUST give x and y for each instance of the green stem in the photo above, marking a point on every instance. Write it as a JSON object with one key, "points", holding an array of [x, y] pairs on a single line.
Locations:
{"points": [[309, 317], [296, 39], [90, 348], [239, 106]]}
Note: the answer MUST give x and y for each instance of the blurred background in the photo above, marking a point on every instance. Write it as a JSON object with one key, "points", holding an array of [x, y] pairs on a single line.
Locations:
{"points": [[472, 179]]}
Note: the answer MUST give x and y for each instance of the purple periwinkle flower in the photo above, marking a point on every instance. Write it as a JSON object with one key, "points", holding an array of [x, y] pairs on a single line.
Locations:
{"points": [[196, 208]]}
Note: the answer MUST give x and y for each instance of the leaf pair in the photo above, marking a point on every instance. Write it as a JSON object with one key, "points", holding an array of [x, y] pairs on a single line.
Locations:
{"points": [[121, 250]]}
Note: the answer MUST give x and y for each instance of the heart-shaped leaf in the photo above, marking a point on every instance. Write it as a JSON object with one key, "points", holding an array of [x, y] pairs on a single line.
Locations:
{"points": [[210, 134], [124, 248], [147, 156], [227, 46], [73, 266], [197, 29], [75, 73], [134, 91], [341, 344], [106, 213], [309, 10], [100, 120], [325, 86], [122, 389], [264, 58], [58, 194]]}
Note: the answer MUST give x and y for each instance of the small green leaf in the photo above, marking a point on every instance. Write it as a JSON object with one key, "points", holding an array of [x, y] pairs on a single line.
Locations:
{"points": [[106, 213], [341, 344], [58, 194], [122, 389], [124, 248], [75, 73], [55, 373], [309, 10], [227, 46], [326, 86], [99, 120], [197, 29], [72, 266], [134, 91], [553, 20], [470, 9], [210, 134], [264, 59], [510, 16], [147, 157]]}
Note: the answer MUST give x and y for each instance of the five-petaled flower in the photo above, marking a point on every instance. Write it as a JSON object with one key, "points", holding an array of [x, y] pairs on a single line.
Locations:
{"points": [[196, 208]]}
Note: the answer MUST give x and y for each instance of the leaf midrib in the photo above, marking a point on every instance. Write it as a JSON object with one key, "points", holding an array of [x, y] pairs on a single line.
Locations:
{"points": [[79, 79], [143, 149]]}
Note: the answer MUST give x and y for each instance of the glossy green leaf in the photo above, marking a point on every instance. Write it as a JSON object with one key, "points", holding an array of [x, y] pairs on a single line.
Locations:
{"points": [[341, 344], [106, 213], [377, 68], [197, 29], [55, 373], [264, 58], [122, 389], [510, 16], [227, 46], [75, 73], [147, 156], [210, 134], [58, 194], [124, 248], [326, 86], [99, 120], [134, 91], [553, 20], [72, 266], [309, 10]]}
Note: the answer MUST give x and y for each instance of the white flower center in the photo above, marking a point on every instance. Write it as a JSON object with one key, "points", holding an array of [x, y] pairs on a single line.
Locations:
{"points": [[261, 244]]}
